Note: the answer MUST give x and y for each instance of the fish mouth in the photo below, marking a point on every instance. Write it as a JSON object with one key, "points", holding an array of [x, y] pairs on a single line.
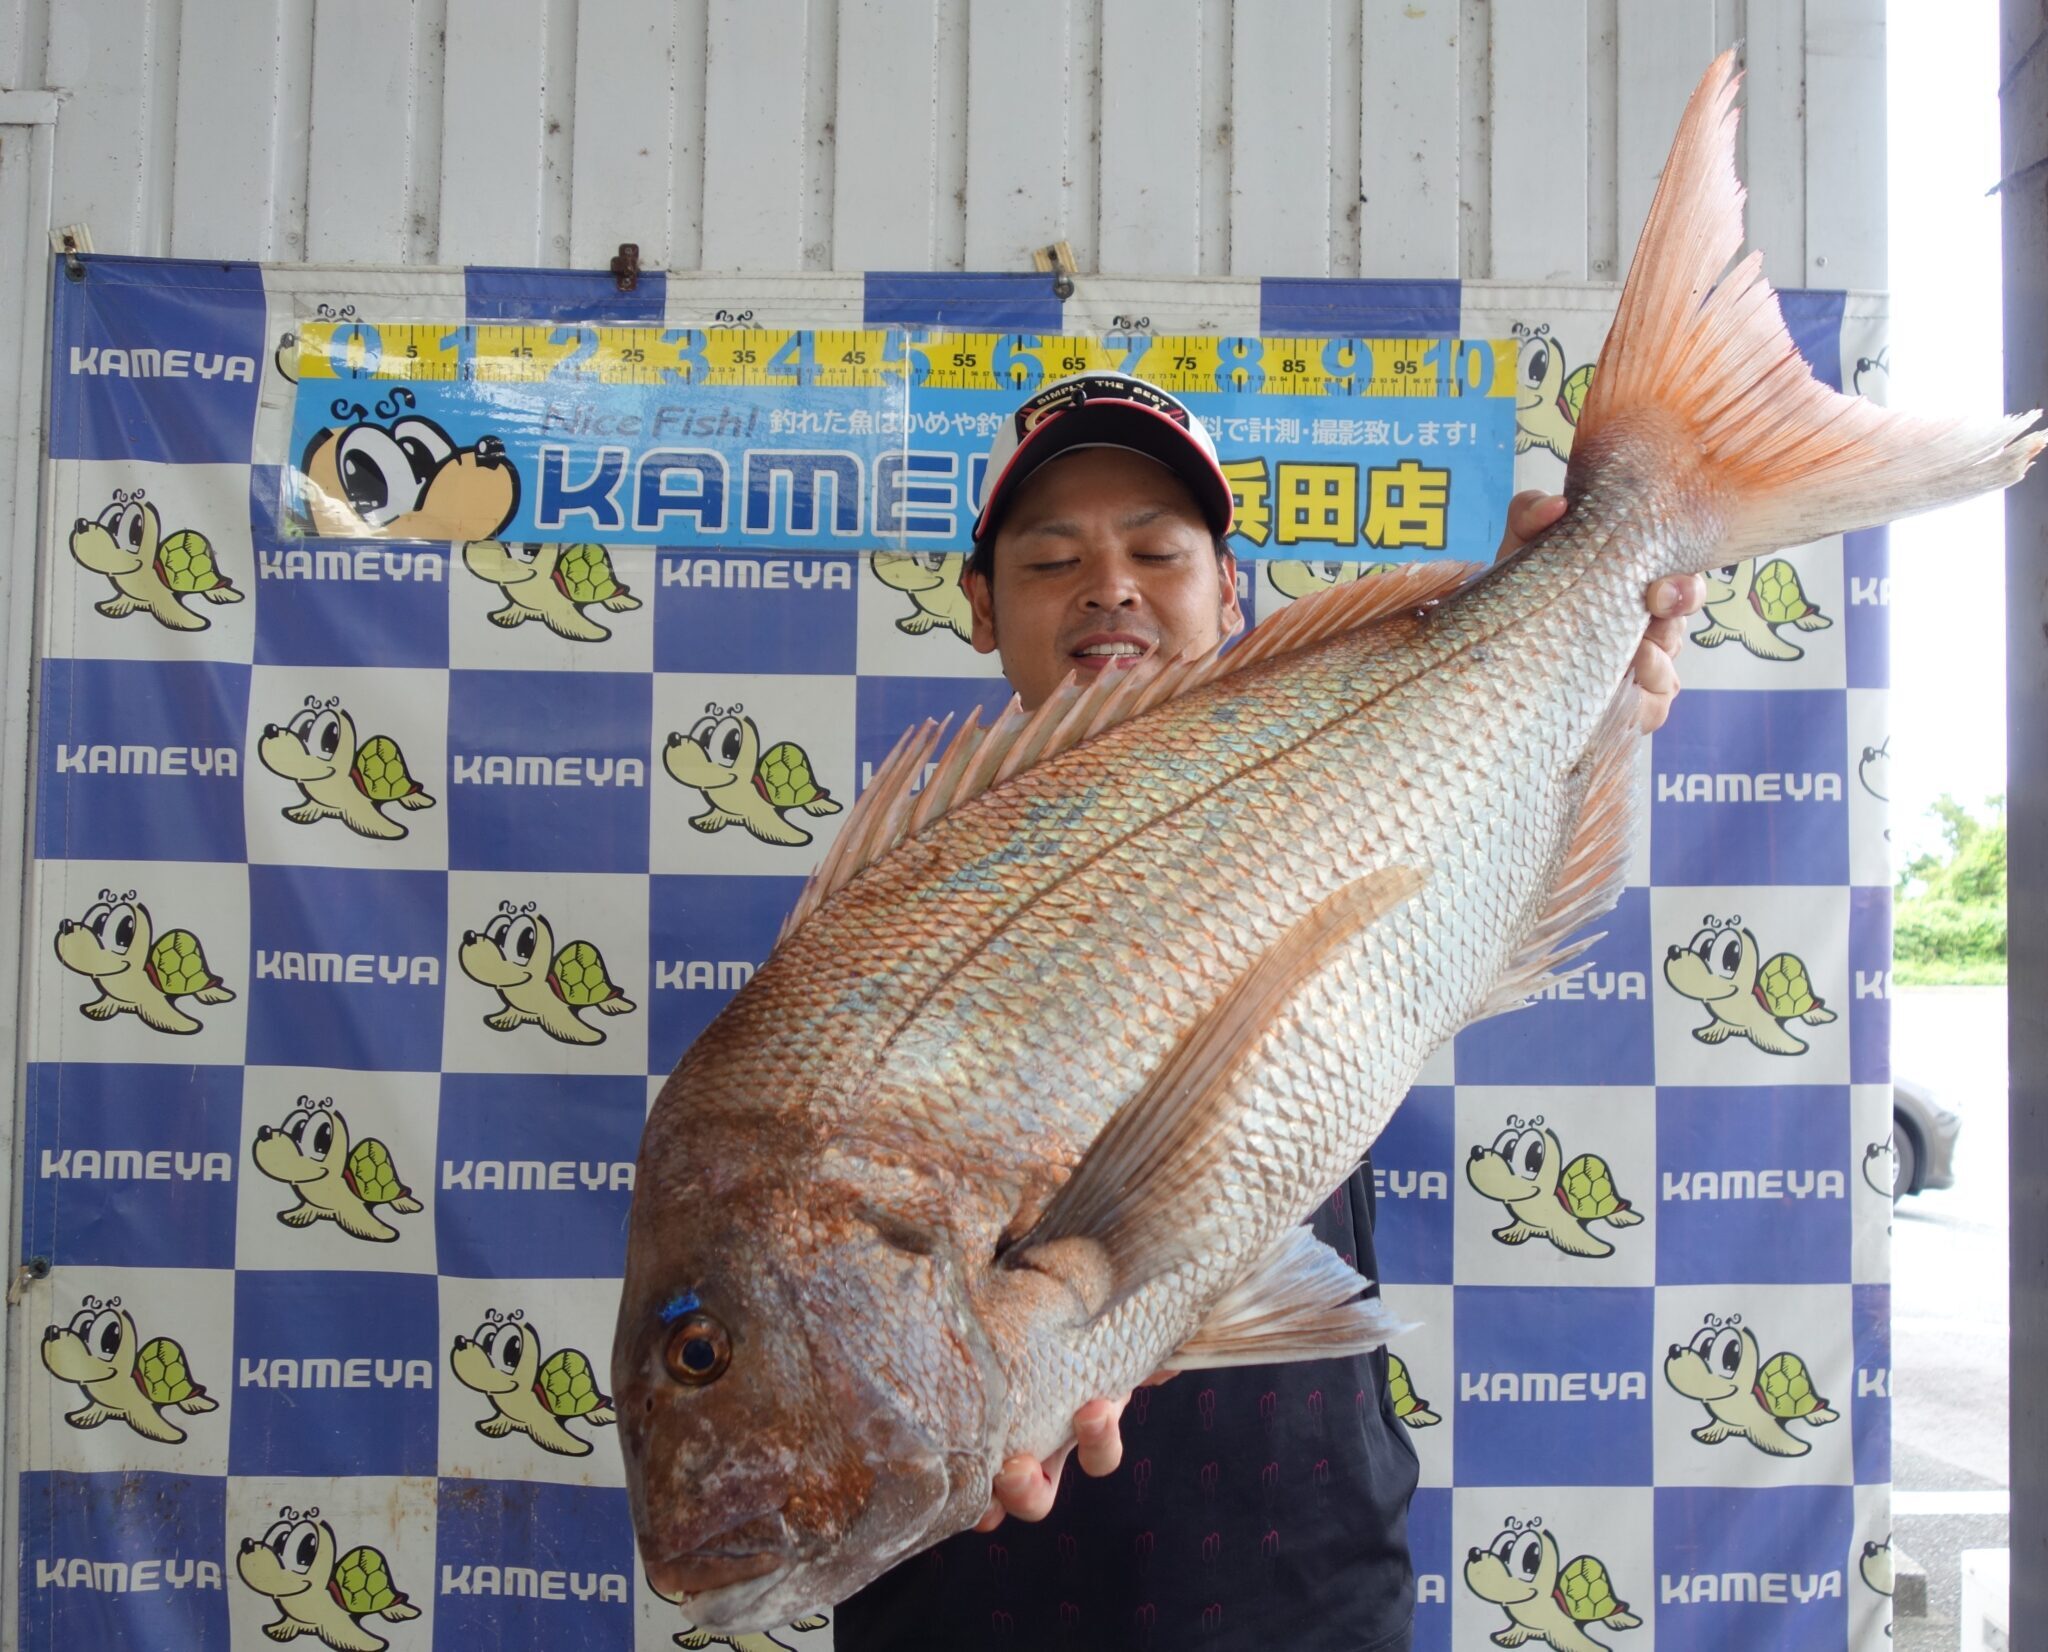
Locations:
{"points": [[700, 1571]]}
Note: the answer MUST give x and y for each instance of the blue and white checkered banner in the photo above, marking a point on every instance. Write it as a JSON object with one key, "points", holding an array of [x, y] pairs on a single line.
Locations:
{"points": [[424, 756]]}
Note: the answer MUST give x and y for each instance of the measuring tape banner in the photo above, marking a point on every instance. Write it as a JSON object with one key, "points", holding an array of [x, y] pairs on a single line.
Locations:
{"points": [[1355, 449]]}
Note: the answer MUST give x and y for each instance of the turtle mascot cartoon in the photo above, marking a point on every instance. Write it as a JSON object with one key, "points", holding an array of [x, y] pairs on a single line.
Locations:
{"points": [[149, 570], [1875, 1568], [1748, 604], [137, 971], [120, 1374], [515, 955], [721, 757], [1525, 1170], [1519, 1572], [389, 473], [759, 1640], [538, 1397], [551, 583], [294, 1564], [1720, 966], [1296, 579], [1547, 398], [1409, 1406], [341, 776], [336, 1182], [1745, 1395], [931, 579]]}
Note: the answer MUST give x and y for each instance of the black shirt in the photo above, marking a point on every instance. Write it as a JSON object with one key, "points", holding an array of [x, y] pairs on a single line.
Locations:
{"points": [[1254, 1508]]}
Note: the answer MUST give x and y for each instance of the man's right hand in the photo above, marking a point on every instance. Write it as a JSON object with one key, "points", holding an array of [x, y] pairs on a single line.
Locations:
{"points": [[1026, 1487]]}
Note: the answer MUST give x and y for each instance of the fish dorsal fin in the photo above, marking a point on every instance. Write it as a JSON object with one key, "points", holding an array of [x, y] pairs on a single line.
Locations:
{"points": [[977, 757], [1595, 863], [1300, 1302], [1133, 1189]]}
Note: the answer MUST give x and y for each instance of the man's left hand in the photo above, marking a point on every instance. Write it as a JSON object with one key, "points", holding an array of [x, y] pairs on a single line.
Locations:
{"points": [[1669, 601]]}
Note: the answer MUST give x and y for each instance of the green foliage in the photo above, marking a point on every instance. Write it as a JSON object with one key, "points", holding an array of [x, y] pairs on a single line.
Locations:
{"points": [[1948, 918]]}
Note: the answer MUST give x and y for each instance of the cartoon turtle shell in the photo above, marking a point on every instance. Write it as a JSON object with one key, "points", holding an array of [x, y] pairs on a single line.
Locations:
{"points": [[784, 778], [583, 573], [1587, 1594], [1409, 1407], [568, 1385], [184, 562], [177, 964], [161, 1370], [362, 1582], [371, 1173], [579, 978], [1786, 1389], [380, 773], [1782, 988], [1776, 596], [1587, 1189]]}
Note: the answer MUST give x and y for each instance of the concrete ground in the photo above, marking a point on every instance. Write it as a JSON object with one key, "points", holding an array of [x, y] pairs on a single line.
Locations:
{"points": [[1950, 1308]]}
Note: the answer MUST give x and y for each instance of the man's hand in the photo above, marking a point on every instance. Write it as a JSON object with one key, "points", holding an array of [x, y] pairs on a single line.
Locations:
{"points": [[1026, 1487], [1669, 601]]}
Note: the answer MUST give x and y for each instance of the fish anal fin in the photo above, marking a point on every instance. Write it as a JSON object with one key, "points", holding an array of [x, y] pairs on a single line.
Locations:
{"points": [[1301, 1301], [1131, 1191], [977, 758], [1595, 866]]}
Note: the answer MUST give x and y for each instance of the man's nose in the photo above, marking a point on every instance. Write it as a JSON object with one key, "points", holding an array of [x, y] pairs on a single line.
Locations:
{"points": [[1111, 587]]}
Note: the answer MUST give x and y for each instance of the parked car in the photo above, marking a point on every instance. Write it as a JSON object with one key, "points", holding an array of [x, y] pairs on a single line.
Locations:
{"points": [[1923, 1139]]}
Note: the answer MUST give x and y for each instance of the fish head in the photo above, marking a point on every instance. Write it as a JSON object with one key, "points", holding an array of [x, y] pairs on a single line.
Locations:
{"points": [[794, 1414]]}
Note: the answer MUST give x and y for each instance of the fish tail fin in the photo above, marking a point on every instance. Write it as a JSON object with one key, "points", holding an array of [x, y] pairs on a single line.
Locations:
{"points": [[1700, 380]]}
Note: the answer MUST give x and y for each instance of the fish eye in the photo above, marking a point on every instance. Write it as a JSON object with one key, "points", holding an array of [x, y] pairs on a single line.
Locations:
{"points": [[1532, 1560], [524, 939], [506, 1351], [1535, 365], [726, 740], [1727, 1355], [1731, 956], [1530, 1151], [104, 1337], [302, 1546], [1504, 1143], [323, 1139], [124, 929], [698, 1350], [528, 553], [424, 445], [376, 475], [95, 920], [325, 734]]}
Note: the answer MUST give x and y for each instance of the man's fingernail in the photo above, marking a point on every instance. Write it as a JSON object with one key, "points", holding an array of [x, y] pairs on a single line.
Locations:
{"points": [[1667, 593], [1013, 1479], [1093, 1427]]}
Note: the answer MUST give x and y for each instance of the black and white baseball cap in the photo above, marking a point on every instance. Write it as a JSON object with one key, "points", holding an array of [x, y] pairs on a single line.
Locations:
{"points": [[1103, 410]]}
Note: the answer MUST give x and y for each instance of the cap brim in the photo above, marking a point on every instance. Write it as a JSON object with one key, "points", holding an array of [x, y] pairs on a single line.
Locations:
{"points": [[1104, 423]]}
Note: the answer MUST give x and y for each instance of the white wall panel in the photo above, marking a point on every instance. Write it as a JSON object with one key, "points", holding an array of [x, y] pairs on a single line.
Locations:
{"points": [[1408, 138], [1538, 86], [1280, 140], [1394, 138]]}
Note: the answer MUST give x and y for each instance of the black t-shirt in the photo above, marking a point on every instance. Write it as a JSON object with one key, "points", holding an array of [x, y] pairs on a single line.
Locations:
{"points": [[1254, 1508]]}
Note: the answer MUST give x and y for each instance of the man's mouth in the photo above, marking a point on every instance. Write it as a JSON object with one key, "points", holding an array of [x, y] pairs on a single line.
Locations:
{"points": [[1110, 653]]}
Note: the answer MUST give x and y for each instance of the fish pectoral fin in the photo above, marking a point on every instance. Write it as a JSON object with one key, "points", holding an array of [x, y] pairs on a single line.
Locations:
{"points": [[1301, 1302], [1133, 1188], [1595, 867]]}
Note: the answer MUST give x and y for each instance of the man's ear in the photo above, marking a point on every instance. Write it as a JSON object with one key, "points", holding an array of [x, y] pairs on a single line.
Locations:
{"points": [[981, 599], [1232, 612]]}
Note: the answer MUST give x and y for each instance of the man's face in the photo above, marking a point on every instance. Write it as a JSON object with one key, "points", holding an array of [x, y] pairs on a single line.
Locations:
{"points": [[1102, 560]]}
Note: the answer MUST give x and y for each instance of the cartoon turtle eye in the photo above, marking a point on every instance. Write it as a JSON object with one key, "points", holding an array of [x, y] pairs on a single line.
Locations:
{"points": [[725, 742], [323, 1139], [376, 475], [931, 561], [1532, 1560], [1504, 1143], [494, 931], [1702, 1341], [274, 1536], [1731, 955], [506, 1351], [1702, 945], [324, 735], [698, 1350], [130, 531], [81, 1322], [95, 920], [302, 726], [1503, 1546], [301, 1546], [110, 517], [103, 1337], [1726, 573], [122, 935], [425, 445], [1726, 1356], [1529, 1154], [294, 1127], [525, 938], [528, 553]]}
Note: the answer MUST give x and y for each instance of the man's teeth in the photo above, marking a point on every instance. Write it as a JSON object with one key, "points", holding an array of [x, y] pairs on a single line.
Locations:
{"points": [[1095, 648]]}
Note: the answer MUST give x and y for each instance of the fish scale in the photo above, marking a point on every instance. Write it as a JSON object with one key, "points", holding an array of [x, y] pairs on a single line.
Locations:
{"points": [[1034, 1092]]}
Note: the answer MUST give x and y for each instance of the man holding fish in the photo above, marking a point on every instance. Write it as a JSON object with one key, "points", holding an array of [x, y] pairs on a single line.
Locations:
{"points": [[1102, 544]]}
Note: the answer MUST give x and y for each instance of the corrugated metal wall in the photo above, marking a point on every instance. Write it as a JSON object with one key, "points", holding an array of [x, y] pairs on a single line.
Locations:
{"points": [[1517, 140]]}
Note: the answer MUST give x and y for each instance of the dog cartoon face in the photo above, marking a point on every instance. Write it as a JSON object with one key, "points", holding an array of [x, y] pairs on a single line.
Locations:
{"points": [[399, 475]]}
